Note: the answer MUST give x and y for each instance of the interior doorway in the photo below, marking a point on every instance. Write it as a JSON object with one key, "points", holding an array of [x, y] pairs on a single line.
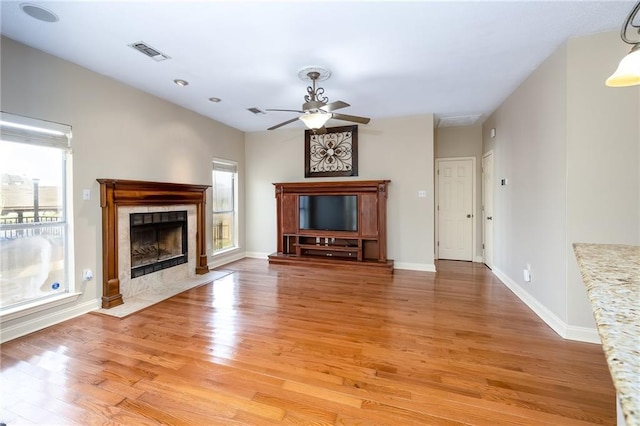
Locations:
{"points": [[455, 208], [487, 209]]}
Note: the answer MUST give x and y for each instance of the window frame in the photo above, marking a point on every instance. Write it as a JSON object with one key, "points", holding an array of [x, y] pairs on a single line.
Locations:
{"points": [[41, 133], [223, 165]]}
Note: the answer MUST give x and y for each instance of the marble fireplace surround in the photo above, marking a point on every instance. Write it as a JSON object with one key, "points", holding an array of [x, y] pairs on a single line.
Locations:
{"points": [[120, 197], [154, 282]]}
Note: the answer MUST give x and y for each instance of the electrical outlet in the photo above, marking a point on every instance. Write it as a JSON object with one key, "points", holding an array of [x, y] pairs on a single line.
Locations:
{"points": [[526, 273], [87, 274], [422, 194]]}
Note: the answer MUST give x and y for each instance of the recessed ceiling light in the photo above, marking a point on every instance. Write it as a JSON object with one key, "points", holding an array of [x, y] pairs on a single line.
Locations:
{"points": [[39, 12], [215, 100], [180, 82]]}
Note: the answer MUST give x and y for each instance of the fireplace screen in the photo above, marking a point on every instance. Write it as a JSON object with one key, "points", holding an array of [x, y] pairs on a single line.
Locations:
{"points": [[158, 241]]}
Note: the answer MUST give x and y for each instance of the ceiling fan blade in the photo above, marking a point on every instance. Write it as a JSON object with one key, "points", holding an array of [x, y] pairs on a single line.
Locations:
{"points": [[285, 110], [332, 106], [354, 118], [282, 124]]}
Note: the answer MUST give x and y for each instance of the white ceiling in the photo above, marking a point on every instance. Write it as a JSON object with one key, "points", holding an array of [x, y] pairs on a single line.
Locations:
{"points": [[387, 58]]}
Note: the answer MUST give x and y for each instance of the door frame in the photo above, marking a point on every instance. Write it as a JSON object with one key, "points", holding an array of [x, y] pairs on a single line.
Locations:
{"points": [[484, 233], [473, 203]]}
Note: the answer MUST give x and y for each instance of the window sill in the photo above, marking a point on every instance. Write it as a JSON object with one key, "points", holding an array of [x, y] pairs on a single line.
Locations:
{"points": [[40, 305], [225, 251]]}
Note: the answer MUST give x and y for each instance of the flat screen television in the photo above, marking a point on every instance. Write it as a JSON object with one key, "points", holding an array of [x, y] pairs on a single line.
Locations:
{"points": [[329, 212]]}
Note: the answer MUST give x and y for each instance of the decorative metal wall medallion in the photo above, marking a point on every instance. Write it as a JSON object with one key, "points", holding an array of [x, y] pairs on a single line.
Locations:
{"points": [[334, 153]]}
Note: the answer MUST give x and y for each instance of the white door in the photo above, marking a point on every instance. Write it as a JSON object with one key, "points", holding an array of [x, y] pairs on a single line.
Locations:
{"points": [[487, 208], [455, 209]]}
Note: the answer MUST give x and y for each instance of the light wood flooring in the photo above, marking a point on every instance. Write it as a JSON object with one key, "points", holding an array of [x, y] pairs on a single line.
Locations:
{"points": [[287, 345]]}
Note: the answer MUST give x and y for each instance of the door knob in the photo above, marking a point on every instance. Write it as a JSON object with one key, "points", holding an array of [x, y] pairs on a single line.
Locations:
{"points": [[468, 216], [489, 217]]}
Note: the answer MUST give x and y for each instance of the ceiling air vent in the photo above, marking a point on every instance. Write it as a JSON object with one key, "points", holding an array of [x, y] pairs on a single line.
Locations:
{"points": [[149, 51], [256, 110]]}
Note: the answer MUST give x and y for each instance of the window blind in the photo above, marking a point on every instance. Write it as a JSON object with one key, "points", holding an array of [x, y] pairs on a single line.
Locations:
{"points": [[17, 128]]}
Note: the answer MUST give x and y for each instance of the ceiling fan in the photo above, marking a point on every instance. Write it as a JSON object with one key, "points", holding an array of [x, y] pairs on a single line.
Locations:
{"points": [[317, 109]]}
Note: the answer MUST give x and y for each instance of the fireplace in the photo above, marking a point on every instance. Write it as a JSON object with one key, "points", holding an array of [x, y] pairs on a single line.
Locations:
{"points": [[158, 241], [123, 197]]}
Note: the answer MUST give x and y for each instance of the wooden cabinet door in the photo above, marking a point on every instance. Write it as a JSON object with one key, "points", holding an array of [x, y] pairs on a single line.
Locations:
{"points": [[289, 213], [368, 215]]}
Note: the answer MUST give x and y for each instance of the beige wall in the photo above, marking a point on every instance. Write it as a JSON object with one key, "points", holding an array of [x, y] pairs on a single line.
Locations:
{"points": [[460, 141], [603, 145], [465, 141], [399, 149], [115, 130], [528, 216], [569, 148]]}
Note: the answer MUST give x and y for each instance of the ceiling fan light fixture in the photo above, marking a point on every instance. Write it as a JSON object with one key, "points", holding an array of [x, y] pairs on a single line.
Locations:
{"points": [[315, 120], [628, 72], [317, 109]]}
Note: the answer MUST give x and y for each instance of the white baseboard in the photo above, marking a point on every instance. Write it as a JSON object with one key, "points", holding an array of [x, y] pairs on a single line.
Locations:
{"points": [[257, 255], [538, 308], [424, 267], [25, 327], [582, 334], [478, 259]]}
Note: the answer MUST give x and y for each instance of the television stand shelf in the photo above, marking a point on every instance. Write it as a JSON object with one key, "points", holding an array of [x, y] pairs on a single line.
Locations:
{"points": [[357, 243], [330, 250]]}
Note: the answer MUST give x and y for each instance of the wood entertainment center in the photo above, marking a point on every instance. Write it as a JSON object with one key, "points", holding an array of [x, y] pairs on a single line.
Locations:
{"points": [[356, 240]]}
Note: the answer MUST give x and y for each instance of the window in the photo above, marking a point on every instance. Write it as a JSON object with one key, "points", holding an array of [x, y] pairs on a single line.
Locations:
{"points": [[35, 236], [225, 206]]}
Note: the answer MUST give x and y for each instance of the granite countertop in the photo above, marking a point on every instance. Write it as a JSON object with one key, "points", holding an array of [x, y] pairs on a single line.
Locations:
{"points": [[611, 274]]}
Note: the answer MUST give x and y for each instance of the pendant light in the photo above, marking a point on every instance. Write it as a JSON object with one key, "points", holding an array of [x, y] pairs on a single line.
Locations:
{"points": [[628, 72]]}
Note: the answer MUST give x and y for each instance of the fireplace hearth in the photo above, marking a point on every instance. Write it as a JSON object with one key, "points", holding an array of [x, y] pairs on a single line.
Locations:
{"points": [[158, 241]]}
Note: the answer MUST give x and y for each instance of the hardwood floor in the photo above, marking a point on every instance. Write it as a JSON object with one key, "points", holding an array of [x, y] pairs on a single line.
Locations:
{"points": [[275, 344]]}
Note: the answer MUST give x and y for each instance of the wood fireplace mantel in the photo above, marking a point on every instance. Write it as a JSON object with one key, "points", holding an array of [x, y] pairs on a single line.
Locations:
{"points": [[115, 193]]}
